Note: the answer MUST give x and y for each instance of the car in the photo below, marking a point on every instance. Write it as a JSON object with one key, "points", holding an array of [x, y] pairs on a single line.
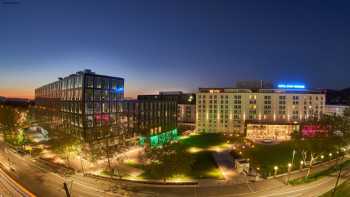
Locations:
{"points": [[268, 140], [13, 169]]}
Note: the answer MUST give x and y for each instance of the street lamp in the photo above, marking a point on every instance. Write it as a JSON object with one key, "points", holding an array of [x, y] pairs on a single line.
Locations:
{"points": [[289, 168], [322, 156], [276, 169], [301, 164], [330, 154]]}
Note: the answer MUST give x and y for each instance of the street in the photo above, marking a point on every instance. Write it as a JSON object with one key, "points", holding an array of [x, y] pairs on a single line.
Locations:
{"points": [[39, 180], [8, 187]]}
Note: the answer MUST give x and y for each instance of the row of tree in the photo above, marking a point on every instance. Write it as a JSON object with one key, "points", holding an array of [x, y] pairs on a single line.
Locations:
{"points": [[12, 123], [338, 128]]}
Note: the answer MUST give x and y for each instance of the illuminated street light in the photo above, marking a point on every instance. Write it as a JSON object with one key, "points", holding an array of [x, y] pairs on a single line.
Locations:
{"points": [[276, 169], [330, 154], [322, 156], [289, 168], [301, 164]]}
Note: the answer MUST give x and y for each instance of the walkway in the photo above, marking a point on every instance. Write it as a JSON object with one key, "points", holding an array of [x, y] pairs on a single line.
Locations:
{"points": [[226, 165]]}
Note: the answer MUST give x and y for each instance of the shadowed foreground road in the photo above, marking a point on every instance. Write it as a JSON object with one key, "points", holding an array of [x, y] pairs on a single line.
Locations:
{"points": [[9, 187], [39, 180]]}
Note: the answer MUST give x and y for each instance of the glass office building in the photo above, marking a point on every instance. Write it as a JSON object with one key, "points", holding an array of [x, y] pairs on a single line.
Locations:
{"points": [[88, 104], [151, 119]]}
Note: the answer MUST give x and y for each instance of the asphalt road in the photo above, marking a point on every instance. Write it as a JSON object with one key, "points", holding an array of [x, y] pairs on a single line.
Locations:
{"points": [[40, 180], [9, 187]]}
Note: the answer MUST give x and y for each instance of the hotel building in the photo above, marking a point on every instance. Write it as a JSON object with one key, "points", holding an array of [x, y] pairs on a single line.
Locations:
{"points": [[258, 112]]}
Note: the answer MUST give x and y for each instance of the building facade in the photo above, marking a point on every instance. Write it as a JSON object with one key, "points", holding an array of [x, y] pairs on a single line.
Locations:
{"points": [[335, 110], [91, 107], [186, 104], [256, 112], [153, 120]]}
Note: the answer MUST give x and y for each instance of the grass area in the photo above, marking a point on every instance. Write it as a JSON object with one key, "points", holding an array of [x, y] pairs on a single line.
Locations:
{"points": [[204, 140], [318, 175], [204, 164], [200, 148], [341, 191], [134, 164], [266, 156]]}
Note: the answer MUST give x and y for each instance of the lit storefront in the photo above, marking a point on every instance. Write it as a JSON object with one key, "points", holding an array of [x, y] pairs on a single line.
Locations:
{"points": [[275, 132]]}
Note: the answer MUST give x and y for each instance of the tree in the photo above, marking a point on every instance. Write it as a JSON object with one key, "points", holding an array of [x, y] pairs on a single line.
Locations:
{"points": [[9, 119], [106, 146], [20, 137], [315, 148], [346, 112], [65, 145]]}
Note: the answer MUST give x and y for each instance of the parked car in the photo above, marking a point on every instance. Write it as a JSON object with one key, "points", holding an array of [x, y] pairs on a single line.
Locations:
{"points": [[268, 140]]}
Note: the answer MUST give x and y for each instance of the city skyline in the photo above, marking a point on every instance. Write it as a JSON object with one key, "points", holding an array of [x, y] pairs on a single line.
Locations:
{"points": [[177, 45], [174, 98]]}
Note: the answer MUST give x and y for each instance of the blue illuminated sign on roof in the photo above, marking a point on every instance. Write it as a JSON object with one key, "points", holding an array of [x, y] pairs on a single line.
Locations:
{"points": [[291, 86]]}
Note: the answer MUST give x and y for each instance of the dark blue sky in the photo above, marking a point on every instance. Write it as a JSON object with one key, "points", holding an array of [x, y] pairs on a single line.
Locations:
{"points": [[174, 45]]}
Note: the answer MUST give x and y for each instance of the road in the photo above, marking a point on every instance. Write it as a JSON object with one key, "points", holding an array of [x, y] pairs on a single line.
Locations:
{"points": [[40, 180], [9, 187]]}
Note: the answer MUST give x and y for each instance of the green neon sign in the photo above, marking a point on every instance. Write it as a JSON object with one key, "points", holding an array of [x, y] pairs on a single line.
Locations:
{"points": [[160, 139]]}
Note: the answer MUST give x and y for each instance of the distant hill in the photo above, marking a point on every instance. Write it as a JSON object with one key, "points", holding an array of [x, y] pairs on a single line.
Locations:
{"points": [[338, 97], [2, 99], [16, 101]]}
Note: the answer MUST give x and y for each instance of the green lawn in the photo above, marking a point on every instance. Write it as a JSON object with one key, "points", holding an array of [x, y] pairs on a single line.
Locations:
{"points": [[204, 140], [266, 156], [200, 148]]}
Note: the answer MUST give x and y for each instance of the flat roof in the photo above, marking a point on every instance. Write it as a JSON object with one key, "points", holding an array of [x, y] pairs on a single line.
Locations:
{"points": [[238, 90]]}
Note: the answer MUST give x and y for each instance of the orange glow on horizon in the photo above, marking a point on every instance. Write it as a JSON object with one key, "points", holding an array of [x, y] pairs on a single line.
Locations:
{"points": [[17, 93]]}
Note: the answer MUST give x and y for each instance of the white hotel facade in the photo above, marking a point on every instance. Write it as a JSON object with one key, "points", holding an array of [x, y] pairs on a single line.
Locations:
{"points": [[259, 113]]}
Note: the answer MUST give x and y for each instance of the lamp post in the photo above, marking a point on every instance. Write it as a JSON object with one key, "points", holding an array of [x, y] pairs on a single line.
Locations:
{"points": [[293, 156], [276, 169], [289, 169], [301, 165], [256, 174], [322, 156]]}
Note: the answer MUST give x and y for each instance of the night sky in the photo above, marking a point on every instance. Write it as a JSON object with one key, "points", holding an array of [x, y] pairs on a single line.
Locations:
{"points": [[174, 45]]}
